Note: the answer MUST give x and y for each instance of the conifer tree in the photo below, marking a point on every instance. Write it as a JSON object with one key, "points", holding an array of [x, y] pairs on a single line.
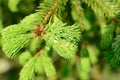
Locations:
{"points": [[47, 32]]}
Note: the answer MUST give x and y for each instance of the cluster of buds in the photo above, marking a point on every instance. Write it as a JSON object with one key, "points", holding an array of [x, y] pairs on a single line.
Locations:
{"points": [[38, 31]]}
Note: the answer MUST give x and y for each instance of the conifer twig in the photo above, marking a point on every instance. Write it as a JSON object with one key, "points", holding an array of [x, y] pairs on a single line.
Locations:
{"points": [[39, 52], [77, 7], [100, 3], [50, 12], [40, 29]]}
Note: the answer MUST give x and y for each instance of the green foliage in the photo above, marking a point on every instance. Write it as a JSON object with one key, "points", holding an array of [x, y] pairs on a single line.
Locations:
{"points": [[61, 30], [14, 45], [51, 6], [107, 36], [22, 32], [24, 57], [34, 47], [43, 61], [93, 53], [83, 64], [79, 16], [85, 61], [14, 31], [113, 56], [27, 73], [106, 6], [39, 68], [32, 20], [63, 38], [47, 63]]}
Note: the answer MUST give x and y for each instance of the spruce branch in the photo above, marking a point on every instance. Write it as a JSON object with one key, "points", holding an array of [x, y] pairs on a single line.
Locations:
{"points": [[59, 36], [27, 72], [107, 6], [52, 8], [52, 33], [27, 25], [24, 57], [116, 49], [46, 62], [35, 45], [64, 39], [78, 15], [47, 9], [39, 52], [32, 20], [107, 36], [14, 45], [13, 36], [17, 36], [50, 12], [113, 56], [13, 31]]}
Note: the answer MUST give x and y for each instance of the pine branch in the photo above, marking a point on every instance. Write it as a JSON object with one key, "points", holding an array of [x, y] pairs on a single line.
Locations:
{"points": [[24, 57], [47, 63], [113, 56], [48, 8], [14, 45], [107, 36], [116, 50], [14, 30], [32, 20], [107, 6], [35, 45], [78, 15], [27, 72], [62, 38], [46, 11], [17, 36], [27, 25]]}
